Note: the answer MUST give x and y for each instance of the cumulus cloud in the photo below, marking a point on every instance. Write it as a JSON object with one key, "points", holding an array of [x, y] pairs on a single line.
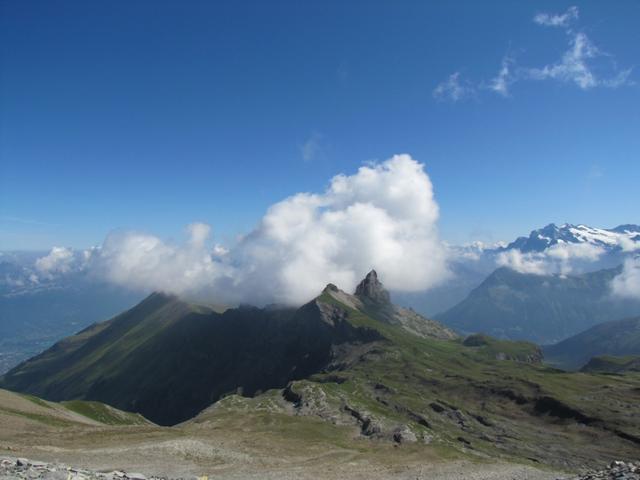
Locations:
{"points": [[567, 254], [145, 262], [561, 258], [628, 244], [569, 251], [627, 284], [383, 217], [514, 259], [59, 260], [557, 20], [453, 89]]}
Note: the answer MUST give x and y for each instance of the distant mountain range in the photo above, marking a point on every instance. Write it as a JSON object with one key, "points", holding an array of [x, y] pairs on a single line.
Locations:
{"points": [[617, 338], [540, 308], [471, 264], [543, 238]]}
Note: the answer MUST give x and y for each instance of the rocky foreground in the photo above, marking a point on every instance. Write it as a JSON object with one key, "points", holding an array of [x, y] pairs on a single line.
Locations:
{"points": [[22, 468], [615, 471], [25, 469]]}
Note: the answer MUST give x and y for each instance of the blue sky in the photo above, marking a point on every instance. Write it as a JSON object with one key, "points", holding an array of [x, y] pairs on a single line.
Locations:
{"points": [[151, 115]]}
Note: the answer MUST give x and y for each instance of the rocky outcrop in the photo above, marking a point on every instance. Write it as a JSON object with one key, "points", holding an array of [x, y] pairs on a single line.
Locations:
{"points": [[370, 290], [614, 471], [376, 301], [22, 468]]}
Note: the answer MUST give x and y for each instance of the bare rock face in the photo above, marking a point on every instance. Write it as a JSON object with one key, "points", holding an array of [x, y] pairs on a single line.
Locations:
{"points": [[376, 301], [371, 290]]}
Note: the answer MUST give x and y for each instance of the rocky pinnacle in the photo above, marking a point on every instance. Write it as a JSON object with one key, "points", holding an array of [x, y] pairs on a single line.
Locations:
{"points": [[370, 289]]}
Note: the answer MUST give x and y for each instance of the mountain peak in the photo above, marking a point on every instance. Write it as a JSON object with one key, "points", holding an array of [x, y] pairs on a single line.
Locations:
{"points": [[372, 290], [567, 233], [331, 288]]}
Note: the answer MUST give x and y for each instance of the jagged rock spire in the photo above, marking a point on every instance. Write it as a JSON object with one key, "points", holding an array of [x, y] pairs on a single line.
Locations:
{"points": [[370, 289]]}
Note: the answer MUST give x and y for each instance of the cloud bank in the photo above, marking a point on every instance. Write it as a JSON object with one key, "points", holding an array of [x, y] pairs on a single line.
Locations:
{"points": [[561, 258], [59, 260], [627, 284], [383, 217]]}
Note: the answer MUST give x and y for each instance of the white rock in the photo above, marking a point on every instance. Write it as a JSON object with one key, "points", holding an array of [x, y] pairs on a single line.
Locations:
{"points": [[136, 476]]}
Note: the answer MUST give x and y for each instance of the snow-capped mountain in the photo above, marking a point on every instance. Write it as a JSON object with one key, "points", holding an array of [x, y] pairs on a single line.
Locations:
{"points": [[623, 237]]}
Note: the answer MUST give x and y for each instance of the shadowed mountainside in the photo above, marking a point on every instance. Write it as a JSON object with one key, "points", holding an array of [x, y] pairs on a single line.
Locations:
{"points": [[168, 359], [540, 308], [615, 338]]}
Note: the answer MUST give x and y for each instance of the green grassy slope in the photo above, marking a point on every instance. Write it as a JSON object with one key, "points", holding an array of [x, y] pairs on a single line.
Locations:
{"points": [[461, 396], [611, 364], [22, 410], [617, 338]]}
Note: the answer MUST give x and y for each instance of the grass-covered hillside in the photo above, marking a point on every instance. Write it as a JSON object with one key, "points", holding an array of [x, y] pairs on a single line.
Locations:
{"points": [[611, 364], [23, 412], [615, 338]]}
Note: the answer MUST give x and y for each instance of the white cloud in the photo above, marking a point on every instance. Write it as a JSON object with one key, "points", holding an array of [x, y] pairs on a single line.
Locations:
{"points": [[59, 260], [567, 254], [628, 244], [582, 64], [619, 80], [573, 67], [145, 262], [557, 20], [576, 65], [627, 283], [569, 251], [501, 82], [560, 258], [453, 89], [514, 259], [382, 217], [312, 147], [198, 234]]}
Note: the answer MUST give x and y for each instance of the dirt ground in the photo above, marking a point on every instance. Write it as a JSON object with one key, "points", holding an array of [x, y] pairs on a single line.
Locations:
{"points": [[234, 448]]}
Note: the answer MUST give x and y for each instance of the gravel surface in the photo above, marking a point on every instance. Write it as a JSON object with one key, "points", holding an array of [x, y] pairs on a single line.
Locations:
{"points": [[12, 468], [615, 471]]}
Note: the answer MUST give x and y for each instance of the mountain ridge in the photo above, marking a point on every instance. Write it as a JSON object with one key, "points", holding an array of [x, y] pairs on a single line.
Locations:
{"points": [[540, 308], [551, 234], [613, 338], [164, 346]]}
